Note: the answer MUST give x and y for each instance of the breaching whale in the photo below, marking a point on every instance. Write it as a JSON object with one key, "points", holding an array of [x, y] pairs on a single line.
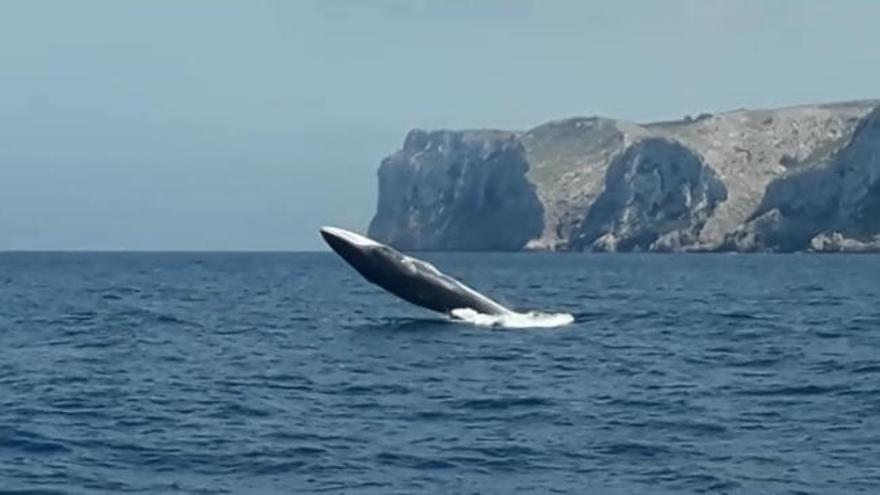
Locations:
{"points": [[408, 278]]}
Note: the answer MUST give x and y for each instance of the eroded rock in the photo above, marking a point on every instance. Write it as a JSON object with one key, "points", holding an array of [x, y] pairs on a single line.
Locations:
{"points": [[657, 197], [457, 191], [747, 180]]}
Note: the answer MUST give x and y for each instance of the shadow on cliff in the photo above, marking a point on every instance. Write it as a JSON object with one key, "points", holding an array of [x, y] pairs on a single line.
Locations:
{"points": [[830, 205], [658, 195], [457, 191]]}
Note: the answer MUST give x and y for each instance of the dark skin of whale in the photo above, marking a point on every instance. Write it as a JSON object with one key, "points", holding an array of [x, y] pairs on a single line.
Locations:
{"points": [[410, 279]]}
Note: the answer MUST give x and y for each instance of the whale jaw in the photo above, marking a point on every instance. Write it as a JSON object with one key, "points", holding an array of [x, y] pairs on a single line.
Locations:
{"points": [[335, 234]]}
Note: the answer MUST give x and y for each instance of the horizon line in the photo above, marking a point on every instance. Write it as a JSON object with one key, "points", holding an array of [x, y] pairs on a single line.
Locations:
{"points": [[160, 251]]}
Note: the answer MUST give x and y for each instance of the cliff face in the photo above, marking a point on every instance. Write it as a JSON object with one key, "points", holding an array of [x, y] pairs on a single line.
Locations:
{"points": [[800, 178], [457, 191], [658, 194], [832, 204]]}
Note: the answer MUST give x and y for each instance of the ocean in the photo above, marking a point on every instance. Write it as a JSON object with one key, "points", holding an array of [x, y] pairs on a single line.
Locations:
{"points": [[287, 373]]}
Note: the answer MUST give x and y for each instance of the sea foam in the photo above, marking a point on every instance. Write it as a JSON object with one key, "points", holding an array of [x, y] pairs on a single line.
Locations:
{"points": [[531, 319]]}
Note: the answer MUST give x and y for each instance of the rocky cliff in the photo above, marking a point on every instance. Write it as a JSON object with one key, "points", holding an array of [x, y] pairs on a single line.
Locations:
{"points": [[457, 191], [790, 179]]}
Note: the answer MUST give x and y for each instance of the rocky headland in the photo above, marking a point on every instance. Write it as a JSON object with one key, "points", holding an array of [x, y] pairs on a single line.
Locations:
{"points": [[803, 178]]}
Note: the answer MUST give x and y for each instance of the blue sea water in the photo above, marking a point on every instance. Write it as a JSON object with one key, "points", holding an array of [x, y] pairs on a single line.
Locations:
{"points": [[286, 373]]}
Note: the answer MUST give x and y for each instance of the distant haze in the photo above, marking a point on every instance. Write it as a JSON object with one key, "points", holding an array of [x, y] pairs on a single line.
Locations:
{"points": [[245, 125]]}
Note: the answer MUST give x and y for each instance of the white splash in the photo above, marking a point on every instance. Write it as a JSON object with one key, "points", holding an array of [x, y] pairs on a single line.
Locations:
{"points": [[532, 319]]}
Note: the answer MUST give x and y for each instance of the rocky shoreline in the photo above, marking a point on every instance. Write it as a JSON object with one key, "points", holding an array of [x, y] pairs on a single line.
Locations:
{"points": [[803, 178]]}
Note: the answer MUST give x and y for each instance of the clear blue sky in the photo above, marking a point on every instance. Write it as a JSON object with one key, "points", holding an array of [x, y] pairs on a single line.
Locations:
{"points": [[169, 124]]}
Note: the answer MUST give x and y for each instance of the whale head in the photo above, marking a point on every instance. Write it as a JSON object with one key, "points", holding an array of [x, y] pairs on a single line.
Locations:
{"points": [[367, 256]]}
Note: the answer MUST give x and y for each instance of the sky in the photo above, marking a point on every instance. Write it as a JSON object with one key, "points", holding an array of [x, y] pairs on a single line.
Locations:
{"points": [[245, 125]]}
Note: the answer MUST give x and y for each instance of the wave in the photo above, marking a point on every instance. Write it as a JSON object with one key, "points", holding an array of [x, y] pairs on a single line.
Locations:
{"points": [[531, 319]]}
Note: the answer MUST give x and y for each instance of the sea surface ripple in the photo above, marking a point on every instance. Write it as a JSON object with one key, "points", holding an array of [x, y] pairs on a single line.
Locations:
{"points": [[286, 373]]}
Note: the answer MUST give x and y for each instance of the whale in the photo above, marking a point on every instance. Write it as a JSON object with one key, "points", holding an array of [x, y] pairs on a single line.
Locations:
{"points": [[413, 280]]}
